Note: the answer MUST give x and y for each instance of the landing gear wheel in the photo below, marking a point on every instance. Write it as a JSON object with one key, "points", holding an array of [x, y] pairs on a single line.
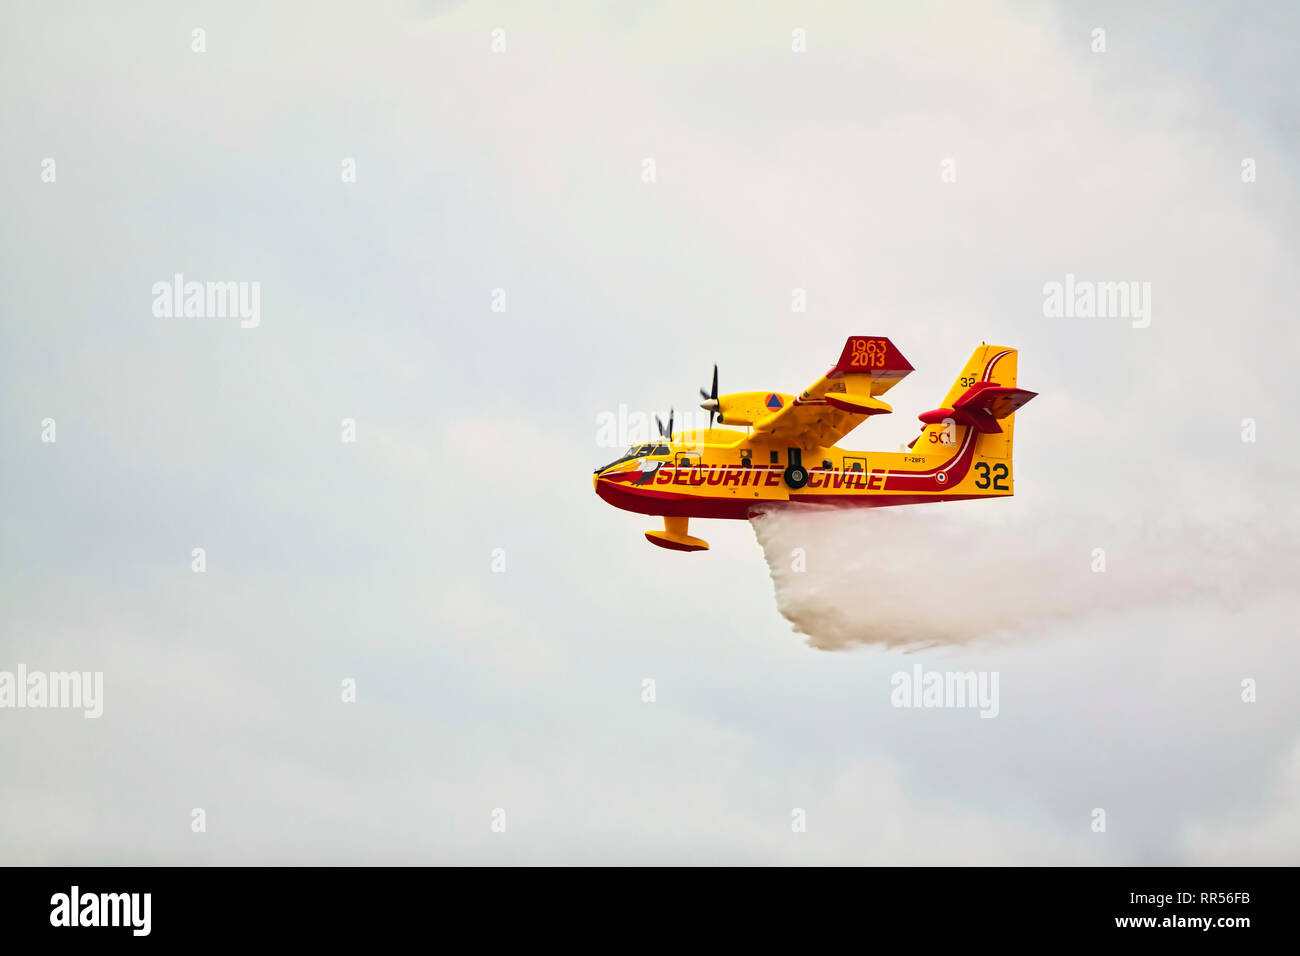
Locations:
{"points": [[795, 476]]}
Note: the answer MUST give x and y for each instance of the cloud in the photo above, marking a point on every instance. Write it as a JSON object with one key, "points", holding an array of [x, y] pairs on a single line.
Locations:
{"points": [[938, 575], [1271, 837]]}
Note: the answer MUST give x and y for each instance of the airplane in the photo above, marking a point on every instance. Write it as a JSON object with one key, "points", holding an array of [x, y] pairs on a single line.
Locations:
{"points": [[788, 452]]}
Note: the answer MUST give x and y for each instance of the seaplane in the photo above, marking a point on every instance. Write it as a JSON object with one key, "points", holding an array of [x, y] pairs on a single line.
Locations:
{"points": [[788, 450]]}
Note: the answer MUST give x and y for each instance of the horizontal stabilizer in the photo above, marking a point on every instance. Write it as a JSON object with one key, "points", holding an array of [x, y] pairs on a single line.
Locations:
{"points": [[995, 399], [981, 406]]}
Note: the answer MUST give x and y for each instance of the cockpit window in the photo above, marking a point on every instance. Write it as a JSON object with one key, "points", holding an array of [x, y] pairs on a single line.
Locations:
{"points": [[633, 451], [637, 451]]}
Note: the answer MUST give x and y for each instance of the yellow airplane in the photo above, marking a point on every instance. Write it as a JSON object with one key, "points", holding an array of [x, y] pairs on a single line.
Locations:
{"points": [[963, 451]]}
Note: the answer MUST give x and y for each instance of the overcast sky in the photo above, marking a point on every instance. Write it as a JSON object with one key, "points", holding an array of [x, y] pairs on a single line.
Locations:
{"points": [[524, 169]]}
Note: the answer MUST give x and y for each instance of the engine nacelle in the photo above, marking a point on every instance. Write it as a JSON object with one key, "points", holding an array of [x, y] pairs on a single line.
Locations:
{"points": [[746, 408]]}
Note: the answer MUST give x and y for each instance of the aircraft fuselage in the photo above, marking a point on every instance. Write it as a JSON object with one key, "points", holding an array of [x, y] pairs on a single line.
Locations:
{"points": [[707, 480]]}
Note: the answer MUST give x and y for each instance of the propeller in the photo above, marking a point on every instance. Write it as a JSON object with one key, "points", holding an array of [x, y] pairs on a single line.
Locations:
{"points": [[665, 432], [710, 403]]}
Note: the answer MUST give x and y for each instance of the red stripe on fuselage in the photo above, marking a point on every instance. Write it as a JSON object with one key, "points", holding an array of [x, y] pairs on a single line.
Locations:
{"points": [[646, 500]]}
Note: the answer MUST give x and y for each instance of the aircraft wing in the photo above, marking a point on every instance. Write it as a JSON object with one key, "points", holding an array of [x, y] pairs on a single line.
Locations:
{"points": [[844, 397]]}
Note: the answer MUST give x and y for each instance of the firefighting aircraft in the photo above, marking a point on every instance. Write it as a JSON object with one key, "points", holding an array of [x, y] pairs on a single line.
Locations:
{"points": [[788, 450]]}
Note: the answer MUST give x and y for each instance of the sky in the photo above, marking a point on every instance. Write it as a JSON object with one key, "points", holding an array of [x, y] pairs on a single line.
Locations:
{"points": [[477, 231]]}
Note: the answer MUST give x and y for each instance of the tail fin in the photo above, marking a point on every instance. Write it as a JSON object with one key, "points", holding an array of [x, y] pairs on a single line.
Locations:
{"points": [[985, 398]]}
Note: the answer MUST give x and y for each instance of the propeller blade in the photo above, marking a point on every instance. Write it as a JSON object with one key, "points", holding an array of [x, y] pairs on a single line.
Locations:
{"points": [[660, 422], [714, 396], [710, 402], [669, 433]]}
